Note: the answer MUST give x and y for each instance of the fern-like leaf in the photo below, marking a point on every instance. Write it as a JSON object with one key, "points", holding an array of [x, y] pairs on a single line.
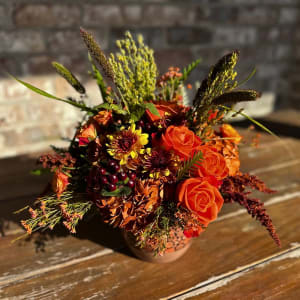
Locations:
{"points": [[186, 73], [189, 166], [187, 70]]}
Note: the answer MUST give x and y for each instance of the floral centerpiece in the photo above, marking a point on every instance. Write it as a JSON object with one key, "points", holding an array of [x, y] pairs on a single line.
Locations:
{"points": [[144, 159]]}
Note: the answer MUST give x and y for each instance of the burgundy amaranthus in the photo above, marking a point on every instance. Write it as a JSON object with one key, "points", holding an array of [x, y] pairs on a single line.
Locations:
{"points": [[234, 189]]}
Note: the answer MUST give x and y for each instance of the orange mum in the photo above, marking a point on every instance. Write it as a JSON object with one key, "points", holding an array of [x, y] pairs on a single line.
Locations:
{"points": [[229, 150]]}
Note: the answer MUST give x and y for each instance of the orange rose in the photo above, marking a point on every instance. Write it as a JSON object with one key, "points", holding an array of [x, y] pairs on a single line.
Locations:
{"points": [[228, 131], [201, 197], [181, 140], [59, 183], [212, 164], [103, 117], [164, 109], [86, 134]]}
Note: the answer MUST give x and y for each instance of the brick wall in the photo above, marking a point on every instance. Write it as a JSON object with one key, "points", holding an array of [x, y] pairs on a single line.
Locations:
{"points": [[35, 32]]}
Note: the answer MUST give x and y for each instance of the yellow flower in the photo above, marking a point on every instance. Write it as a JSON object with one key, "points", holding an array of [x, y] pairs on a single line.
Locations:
{"points": [[127, 144], [160, 163]]}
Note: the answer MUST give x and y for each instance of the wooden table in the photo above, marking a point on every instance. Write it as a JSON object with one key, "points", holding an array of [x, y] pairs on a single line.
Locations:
{"points": [[234, 259]]}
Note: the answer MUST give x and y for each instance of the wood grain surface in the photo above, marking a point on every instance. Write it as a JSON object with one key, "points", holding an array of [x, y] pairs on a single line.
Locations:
{"points": [[234, 259]]}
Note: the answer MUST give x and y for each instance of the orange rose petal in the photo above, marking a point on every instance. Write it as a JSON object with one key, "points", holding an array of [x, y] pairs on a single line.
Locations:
{"points": [[200, 197]]}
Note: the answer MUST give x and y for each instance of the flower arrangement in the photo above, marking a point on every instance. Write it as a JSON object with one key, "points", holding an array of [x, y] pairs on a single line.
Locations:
{"points": [[144, 159]]}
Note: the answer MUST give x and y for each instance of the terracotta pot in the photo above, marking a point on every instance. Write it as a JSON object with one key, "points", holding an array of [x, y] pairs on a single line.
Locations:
{"points": [[177, 245]]}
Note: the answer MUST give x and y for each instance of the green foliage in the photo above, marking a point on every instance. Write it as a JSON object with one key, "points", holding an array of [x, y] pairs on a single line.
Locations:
{"points": [[247, 78], [110, 106], [40, 171], [250, 119], [97, 54], [173, 85], [70, 78], [186, 72], [152, 108], [156, 230], [189, 166], [135, 72], [119, 192], [137, 112], [99, 79], [82, 106], [159, 228]]}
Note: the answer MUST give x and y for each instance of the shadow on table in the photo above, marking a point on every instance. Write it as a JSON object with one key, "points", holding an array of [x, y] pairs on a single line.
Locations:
{"points": [[93, 229], [19, 188], [279, 128]]}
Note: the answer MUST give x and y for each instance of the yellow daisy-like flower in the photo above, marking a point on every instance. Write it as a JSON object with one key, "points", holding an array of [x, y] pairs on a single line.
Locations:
{"points": [[127, 144], [160, 163]]}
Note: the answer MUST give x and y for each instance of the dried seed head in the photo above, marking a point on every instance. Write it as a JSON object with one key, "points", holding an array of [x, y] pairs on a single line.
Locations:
{"points": [[96, 52], [65, 73]]}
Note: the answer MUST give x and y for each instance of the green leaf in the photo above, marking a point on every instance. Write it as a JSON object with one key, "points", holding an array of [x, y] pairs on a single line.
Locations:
{"points": [[247, 78], [103, 105], [22, 209], [187, 70], [123, 191], [250, 119], [100, 81], [136, 112], [40, 171], [118, 109], [189, 165], [152, 108], [108, 106], [46, 94]]}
